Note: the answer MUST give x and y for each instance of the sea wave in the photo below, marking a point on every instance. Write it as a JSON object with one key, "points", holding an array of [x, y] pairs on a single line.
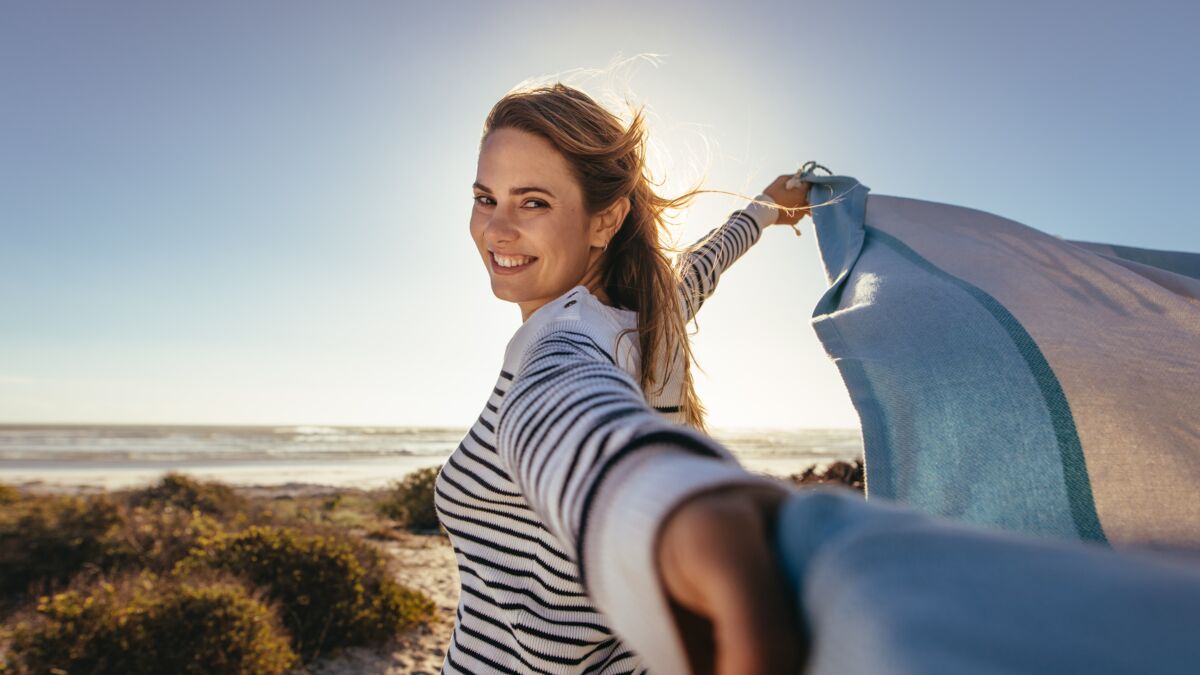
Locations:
{"points": [[176, 443]]}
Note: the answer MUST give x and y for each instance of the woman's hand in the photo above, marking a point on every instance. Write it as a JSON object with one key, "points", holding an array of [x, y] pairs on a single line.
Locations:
{"points": [[730, 599], [789, 198]]}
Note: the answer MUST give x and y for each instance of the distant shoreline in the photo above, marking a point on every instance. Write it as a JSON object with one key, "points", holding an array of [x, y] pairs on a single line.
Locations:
{"points": [[87, 477], [89, 457]]}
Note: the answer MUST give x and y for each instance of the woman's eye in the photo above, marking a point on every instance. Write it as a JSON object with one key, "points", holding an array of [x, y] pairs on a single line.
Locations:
{"points": [[531, 201]]}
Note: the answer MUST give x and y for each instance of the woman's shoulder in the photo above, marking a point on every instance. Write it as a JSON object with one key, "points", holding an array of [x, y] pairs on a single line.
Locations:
{"points": [[580, 315]]}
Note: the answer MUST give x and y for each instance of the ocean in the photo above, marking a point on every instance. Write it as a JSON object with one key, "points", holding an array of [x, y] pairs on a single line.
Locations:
{"points": [[118, 456]]}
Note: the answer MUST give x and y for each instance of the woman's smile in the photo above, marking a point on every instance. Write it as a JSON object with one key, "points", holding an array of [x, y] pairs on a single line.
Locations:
{"points": [[497, 268]]}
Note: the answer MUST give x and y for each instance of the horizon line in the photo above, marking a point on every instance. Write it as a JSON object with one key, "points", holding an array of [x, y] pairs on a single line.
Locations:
{"points": [[4, 424]]}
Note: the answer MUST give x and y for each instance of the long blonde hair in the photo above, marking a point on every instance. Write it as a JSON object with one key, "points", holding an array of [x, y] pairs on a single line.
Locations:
{"points": [[608, 160]]}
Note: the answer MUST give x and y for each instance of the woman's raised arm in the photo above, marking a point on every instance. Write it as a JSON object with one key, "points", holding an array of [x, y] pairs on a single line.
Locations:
{"points": [[716, 251]]}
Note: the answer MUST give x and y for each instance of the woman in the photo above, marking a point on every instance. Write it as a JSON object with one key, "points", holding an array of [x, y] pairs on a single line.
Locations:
{"points": [[565, 503]]}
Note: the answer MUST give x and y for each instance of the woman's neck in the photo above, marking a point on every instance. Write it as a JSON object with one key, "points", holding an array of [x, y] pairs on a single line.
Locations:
{"points": [[594, 282]]}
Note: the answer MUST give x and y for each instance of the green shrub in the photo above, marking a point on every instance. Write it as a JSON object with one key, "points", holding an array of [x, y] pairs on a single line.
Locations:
{"points": [[146, 624], [189, 494], [410, 500], [332, 502], [155, 538], [9, 494], [45, 540], [333, 592]]}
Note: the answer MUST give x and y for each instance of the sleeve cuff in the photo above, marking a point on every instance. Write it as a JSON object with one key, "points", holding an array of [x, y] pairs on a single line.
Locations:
{"points": [[763, 215], [620, 557]]}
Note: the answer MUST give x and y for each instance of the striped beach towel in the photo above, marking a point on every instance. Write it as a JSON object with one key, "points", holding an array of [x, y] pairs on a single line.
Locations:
{"points": [[1008, 377]]}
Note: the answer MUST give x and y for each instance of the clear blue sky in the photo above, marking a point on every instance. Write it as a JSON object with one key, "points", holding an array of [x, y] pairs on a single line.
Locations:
{"points": [[257, 212]]}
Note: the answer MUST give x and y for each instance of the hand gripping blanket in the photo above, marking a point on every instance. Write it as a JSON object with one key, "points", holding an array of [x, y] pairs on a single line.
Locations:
{"points": [[1008, 377]]}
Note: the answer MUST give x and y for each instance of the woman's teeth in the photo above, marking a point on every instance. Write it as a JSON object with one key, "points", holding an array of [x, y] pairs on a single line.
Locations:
{"points": [[513, 261]]}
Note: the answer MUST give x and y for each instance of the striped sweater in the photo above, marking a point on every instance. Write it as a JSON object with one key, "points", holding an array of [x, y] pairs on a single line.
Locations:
{"points": [[553, 498]]}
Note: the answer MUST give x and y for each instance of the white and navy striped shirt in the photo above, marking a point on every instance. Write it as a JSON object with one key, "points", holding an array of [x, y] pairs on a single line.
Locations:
{"points": [[569, 463]]}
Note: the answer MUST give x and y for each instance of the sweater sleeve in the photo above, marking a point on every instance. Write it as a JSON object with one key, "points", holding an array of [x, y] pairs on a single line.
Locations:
{"points": [[702, 266], [602, 471]]}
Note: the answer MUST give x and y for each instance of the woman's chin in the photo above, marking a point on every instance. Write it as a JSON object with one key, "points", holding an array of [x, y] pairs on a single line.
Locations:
{"points": [[505, 289]]}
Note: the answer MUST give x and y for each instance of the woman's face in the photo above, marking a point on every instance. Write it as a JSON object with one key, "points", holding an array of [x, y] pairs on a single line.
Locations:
{"points": [[529, 206]]}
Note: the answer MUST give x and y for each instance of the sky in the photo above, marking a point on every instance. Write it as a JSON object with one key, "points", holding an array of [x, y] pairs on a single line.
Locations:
{"points": [[257, 212]]}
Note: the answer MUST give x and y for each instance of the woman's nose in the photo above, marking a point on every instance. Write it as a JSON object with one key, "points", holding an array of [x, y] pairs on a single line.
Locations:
{"points": [[499, 227]]}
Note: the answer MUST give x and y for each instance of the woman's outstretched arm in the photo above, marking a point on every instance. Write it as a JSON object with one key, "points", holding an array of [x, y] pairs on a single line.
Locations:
{"points": [[715, 252], [604, 472]]}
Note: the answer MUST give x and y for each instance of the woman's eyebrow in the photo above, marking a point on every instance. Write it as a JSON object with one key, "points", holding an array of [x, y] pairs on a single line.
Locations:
{"points": [[516, 190]]}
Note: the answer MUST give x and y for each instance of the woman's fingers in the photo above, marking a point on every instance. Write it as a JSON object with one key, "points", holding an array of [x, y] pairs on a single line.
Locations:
{"points": [[718, 565], [756, 629], [792, 199], [697, 633]]}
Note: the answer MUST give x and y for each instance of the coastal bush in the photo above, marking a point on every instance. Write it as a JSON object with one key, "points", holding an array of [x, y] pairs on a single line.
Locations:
{"points": [[837, 474], [145, 624], [157, 537], [8, 494], [45, 540], [344, 509], [410, 500], [333, 591], [189, 494]]}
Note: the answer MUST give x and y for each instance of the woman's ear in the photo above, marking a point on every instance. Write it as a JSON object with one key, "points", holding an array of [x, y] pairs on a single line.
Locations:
{"points": [[606, 223]]}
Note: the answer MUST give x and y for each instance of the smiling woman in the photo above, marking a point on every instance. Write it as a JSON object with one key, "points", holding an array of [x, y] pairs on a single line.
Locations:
{"points": [[592, 437], [535, 221], [561, 197]]}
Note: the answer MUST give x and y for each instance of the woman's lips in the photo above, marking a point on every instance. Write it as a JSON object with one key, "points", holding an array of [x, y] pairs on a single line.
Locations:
{"points": [[497, 268]]}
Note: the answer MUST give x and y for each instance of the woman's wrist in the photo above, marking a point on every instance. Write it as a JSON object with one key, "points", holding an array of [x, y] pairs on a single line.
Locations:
{"points": [[764, 215], [718, 568]]}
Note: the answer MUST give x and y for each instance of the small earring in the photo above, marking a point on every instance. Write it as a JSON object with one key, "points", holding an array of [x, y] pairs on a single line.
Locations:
{"points": [[605, 246]]}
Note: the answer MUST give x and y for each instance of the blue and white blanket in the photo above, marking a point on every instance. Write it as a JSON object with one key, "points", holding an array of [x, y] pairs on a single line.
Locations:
{"points": [[1008, 377]]}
